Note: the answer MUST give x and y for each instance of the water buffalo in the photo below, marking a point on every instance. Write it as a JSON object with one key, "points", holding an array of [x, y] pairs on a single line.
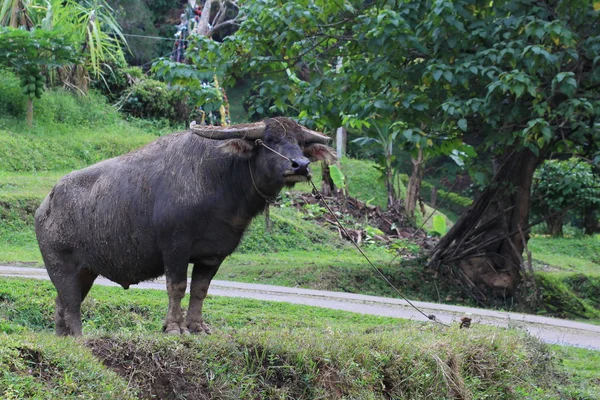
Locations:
{"points": [[185, 198]]}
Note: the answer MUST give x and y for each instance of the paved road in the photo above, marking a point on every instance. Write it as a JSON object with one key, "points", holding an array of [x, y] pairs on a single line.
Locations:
{"points": [[550, 330]]}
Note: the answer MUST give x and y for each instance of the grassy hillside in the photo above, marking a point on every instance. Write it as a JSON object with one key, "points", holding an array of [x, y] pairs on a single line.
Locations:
{"points": [[268, 350], [568, 254]]}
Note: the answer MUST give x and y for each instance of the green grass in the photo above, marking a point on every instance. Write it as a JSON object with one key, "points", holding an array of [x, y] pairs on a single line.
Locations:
{"points": [[53, 149], [568, 272], [268, 350], [584, 367], [38, 366], [567, 254]]}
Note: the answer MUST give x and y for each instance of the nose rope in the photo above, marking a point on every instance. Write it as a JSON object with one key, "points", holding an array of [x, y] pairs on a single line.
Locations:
{"points": [[268, 199], [259, 142]]}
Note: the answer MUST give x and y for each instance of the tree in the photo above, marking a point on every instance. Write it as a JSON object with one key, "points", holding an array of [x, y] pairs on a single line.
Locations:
{"points": [[521, 76], [530, 87], [563, 186], [386, 142], [341, 63], [28, 51]]}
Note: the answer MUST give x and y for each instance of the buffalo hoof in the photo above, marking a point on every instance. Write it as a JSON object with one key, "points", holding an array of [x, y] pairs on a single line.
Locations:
{"points": [[176, 329], [199, 327]]}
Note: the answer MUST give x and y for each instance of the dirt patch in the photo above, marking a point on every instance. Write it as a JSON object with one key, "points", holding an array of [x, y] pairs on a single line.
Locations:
{"points": [[155, 377], [363, 222], [39, 366]]}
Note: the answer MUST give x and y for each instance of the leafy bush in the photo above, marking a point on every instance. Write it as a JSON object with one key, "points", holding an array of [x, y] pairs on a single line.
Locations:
{"points": [[61, 106], [149, 98], [56, 106], [12, 100], [117, 79], [563, 185]]}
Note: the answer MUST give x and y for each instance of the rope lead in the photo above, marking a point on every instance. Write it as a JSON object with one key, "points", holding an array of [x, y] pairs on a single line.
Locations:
{"points": [[319, 196]]}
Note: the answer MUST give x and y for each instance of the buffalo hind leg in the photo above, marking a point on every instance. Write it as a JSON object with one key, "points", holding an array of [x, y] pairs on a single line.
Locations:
{"points": [[176, 276], [71, 293], [201, 276]]}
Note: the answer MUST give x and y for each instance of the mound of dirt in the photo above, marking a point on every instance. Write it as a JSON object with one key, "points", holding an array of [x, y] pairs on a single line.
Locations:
{"points": [[154, 376], [363, 222]]}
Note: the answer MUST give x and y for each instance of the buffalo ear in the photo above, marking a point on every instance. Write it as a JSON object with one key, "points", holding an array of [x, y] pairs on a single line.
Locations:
{"points": [[237, 147], [319, 152]]}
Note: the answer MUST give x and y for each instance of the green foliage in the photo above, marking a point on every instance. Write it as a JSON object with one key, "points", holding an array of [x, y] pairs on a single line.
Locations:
{"points": [[559, 300], [452, 202], [21, 49], [93, 27], [199, 83], [12, 100], [439, 225], [26, 51], [337, 176], [563, 185], [117, 79], [151, 99]]}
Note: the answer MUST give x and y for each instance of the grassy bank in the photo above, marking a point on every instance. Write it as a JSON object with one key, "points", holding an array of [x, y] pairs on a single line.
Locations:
{"points": [[269, 350], [567, 254]]}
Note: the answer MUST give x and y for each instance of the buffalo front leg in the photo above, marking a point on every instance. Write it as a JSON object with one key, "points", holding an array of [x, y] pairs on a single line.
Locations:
{"points": [[201, 276], [176, 276]]}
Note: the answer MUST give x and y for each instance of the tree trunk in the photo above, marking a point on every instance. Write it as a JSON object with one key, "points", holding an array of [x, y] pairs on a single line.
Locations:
{"points": [[434, 196], [389, 182], [327, 186], [484, 248], [204, 18], [414, 185], [591, 220], [30, 113], [555, 224]]}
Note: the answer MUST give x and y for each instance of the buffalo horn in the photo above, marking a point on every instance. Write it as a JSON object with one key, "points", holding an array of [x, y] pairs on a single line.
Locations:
{"points": [[309, 136], [246, 131]]}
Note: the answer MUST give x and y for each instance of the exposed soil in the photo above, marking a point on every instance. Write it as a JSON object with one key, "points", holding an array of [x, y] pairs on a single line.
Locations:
{"points": [[169, 374], [155, 377], [360, 219], [40, 367]]}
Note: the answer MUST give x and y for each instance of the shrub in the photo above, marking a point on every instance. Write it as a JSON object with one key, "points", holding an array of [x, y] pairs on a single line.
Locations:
{"points": [[12, 100], [561, 185], [149, 98], [117, 79], [62, 106]]}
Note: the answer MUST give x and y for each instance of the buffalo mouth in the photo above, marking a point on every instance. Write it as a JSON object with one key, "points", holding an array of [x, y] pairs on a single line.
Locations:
{"points": [[291, 177]]}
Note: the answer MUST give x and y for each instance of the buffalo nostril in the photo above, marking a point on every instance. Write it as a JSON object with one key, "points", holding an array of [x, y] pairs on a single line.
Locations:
{"points": [[300, 166]]}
